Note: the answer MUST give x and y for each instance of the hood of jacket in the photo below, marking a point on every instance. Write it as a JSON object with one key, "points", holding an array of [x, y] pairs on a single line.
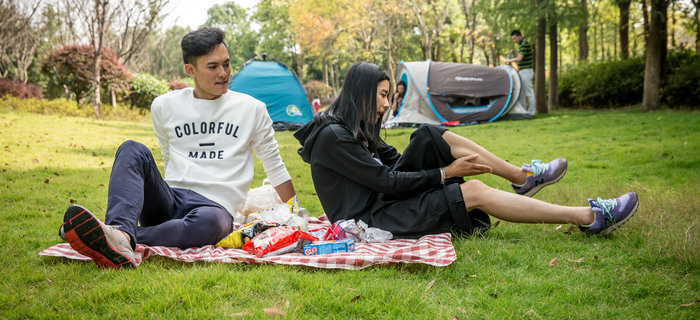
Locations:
{"points": [[307, 137]]}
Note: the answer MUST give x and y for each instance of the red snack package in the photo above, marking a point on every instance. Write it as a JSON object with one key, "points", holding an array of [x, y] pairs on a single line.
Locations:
{"points": [[278, 240]]}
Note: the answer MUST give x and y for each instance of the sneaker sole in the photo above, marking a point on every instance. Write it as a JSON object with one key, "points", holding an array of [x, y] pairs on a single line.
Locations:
{"points": [[536, 189], [84, 234], [614, 227]]}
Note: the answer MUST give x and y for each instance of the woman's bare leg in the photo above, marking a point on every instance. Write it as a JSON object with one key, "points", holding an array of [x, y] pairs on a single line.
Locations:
{"points": [[516, 208], [462, 147]]}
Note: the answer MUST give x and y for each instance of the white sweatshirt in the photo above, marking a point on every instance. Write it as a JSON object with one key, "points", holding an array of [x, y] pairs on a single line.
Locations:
{"points": [[208, 145]]}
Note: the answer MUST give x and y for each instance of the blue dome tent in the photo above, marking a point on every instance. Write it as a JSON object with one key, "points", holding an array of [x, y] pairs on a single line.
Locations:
{"points": [[274, 84]]}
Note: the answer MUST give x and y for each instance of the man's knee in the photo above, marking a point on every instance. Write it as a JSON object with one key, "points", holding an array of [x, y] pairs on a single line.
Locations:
{"points": [[215, 221], [131, 146]]}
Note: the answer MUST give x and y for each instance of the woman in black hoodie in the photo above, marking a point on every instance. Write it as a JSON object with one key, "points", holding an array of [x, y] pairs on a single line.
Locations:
{"points": [[358, 176]]}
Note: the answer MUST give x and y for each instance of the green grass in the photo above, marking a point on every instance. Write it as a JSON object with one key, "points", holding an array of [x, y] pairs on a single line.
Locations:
{"points": [[650, 268]]}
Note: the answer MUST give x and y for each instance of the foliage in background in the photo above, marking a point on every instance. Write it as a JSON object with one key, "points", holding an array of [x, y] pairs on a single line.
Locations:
{"points": [[621, 83], [63, 107], [240, 39], [181, 83], [603, 85], [145, 88], [69, 68], [317, 89], [683, 84], [19, 89]]}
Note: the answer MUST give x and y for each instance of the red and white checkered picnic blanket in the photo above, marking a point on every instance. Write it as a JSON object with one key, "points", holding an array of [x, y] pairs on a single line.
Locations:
{"points": [[435, 250]]}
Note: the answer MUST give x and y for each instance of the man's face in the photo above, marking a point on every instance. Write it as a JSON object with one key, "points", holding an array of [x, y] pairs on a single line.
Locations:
{"points": [[516, 38], [211, 73]]}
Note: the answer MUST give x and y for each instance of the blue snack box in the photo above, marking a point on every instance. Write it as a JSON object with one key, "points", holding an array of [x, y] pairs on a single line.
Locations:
{"points": [[332, 246]]}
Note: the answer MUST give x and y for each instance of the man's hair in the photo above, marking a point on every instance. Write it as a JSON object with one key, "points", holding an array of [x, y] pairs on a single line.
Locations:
{"points": [[516, 32], [200, 42]]}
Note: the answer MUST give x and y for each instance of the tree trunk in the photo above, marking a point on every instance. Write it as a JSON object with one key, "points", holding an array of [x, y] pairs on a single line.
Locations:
{"points": [[113, 96], [324, 67], [390, 61], [697, 24], [97, 61], [624, 23], [539, 63], [645, 20], [653, 71], [583, 34], [553, 98]]}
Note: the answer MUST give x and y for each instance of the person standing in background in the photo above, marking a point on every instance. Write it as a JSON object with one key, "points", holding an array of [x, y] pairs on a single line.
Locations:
{"points": [[525, 70]]}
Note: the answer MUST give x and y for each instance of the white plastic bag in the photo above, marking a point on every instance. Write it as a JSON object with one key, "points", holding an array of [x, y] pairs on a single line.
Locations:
{"points": [[280, 214], [261, 198]]}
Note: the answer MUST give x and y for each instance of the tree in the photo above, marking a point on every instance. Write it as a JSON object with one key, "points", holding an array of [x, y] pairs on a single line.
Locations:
{"points": [[19, 39], [96, 17], [276, 34], [162, 56], [624, 6], [540, 103], [696, 3], [583, 33], [553, 99], [241, 40], [134, 24], [70, 67], [430, 18], [469, 29], [656, 56]]}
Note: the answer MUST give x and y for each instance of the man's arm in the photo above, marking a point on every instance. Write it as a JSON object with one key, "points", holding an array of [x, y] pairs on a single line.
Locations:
{"points": [[286, 190], [516, 59]]}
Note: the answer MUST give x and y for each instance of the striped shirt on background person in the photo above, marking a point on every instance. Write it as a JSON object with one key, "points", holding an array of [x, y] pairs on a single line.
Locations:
{"points": [[525, 49]]}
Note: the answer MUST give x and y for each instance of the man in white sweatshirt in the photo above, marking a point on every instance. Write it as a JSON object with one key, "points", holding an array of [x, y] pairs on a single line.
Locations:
{"points": [[207, 135]]}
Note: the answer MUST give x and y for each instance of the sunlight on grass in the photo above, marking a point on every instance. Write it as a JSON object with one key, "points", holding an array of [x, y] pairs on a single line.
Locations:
{"points": [[648, 269]]}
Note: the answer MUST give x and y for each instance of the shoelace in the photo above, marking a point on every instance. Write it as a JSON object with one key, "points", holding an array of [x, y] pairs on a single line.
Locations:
{"points": [[606, 206], [538, 167]]}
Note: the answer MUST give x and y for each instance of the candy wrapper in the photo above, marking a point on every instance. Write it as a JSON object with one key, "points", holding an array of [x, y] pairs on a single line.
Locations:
{"points": [[238, 238], [278, 240], [359, 231]]}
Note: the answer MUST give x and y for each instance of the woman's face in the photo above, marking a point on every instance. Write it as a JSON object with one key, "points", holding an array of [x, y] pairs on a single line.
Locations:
{"points": [[382, 98], [400, 90]]}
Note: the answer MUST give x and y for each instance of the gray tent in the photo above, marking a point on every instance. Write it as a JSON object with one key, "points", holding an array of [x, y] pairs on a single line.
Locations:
{"points": [[439, 92]]}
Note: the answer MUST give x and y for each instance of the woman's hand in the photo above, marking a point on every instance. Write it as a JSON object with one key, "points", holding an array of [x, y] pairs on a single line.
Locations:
{"points": [[465, 166]]}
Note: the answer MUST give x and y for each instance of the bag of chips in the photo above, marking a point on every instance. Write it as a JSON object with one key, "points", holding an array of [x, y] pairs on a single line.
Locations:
{"points": [[278, 240]]}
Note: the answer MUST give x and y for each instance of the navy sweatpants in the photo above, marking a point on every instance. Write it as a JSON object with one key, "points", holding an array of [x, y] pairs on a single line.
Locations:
{"points": [[143, 205]]}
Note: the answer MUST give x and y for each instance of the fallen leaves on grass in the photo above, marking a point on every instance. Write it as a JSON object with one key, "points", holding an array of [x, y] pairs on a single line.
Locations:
{"points": [[553, 262], [278, 309], [558, 227], [571, 230], [356, 298], [495, 224], [47, 180], [430, 285], [579, 260], [242, 314], [691, 304]]}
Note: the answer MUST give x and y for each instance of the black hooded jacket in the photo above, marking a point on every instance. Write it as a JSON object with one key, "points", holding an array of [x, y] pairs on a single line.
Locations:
{"points": [[351, 181]]}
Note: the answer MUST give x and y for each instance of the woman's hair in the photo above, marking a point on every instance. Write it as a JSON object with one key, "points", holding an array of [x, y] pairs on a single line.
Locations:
{"points": [[356, 106], [401, 83]]}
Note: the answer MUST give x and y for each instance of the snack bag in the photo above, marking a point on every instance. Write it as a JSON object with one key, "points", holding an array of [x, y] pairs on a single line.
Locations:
{"points": [[278, 240], [238, 238]]}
